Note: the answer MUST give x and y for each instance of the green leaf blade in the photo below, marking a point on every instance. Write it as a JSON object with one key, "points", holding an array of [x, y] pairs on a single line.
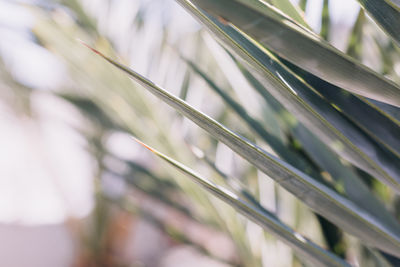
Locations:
{"points": [[303, 48], [316, 195], [385, 15], [309, 107], [355, 189], [309, 251], [369, 118]]}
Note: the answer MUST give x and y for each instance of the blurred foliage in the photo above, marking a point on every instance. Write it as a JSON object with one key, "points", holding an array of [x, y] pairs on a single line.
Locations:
{"points": [[331, 132]]}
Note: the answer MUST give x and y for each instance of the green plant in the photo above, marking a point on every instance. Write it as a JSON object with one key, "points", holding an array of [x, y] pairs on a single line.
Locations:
{"points": [[330, 124]]}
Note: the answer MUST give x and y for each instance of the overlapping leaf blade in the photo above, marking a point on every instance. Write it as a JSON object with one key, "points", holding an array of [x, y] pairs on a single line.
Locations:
{"points": [[308, 106], [296, 44], [377, 124], [275, 143], [319, 197], [309, 251], [343, 176], [385, 15]]}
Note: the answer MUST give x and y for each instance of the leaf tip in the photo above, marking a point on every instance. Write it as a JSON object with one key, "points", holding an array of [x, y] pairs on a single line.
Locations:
{"points": [[143, 144], [91, 48]]}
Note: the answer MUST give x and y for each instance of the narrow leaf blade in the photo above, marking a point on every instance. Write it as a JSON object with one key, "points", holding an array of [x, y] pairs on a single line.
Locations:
{"points": [[322, 199], [304, 247], [385, 15], [309, 107], [303, 48]]}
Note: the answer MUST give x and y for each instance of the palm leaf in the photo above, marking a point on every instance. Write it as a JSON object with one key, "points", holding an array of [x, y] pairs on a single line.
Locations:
{"points": [[322, 199], [309, 251], [375, 122], [343, 176], [276, 144], [385, 15], [300, 46], [312, 110]]}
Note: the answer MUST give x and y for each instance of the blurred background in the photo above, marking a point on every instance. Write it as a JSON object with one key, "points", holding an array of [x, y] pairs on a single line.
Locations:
{"points": [[76, 190]]}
